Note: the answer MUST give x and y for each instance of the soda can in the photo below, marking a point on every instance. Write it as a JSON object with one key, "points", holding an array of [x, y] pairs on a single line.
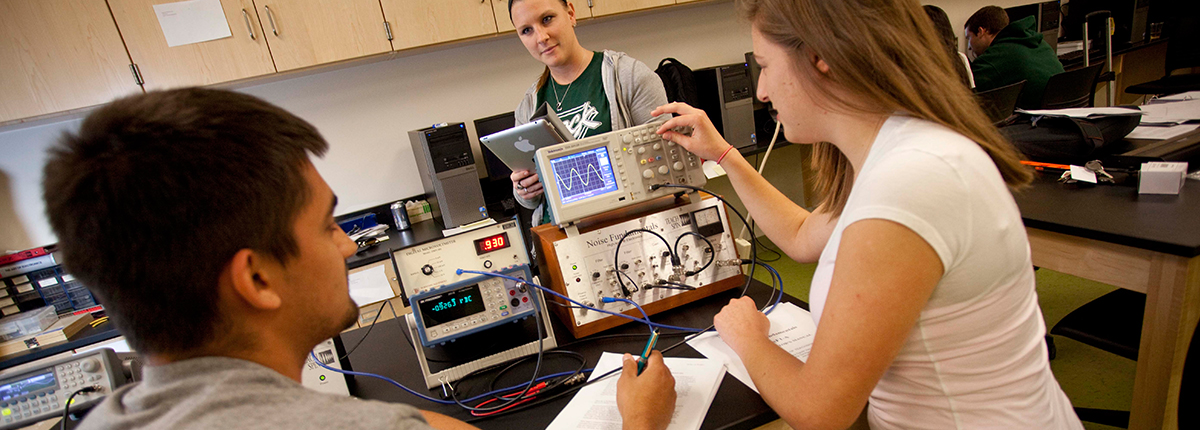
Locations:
{"points": [[400, 216]]}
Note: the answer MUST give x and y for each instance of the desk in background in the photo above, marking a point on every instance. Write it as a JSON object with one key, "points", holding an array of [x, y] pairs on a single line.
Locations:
{"points": [[387, 352], [1145, 243]]}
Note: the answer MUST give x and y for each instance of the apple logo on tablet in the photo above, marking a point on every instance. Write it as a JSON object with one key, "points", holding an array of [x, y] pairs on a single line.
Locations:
{"points": [[524, 145]]}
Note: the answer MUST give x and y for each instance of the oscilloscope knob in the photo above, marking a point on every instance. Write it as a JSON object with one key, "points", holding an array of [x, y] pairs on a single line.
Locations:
{"points": [[663, 170], [678, 165], [627, 138], [427, 270], [642, 150], [647, 173]]}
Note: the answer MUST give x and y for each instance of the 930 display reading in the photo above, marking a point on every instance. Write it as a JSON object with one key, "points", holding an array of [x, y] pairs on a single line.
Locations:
{"points": [[491, 243]]}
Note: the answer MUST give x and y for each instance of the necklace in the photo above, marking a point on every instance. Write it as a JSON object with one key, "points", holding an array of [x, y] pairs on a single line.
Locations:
{"points": [[554, 87]]}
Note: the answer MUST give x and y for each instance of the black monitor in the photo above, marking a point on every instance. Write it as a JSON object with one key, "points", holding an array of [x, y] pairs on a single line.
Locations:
{"points": [[497, 170]]}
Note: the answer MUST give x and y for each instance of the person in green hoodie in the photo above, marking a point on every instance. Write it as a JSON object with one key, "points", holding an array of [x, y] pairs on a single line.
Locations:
{"points": [[1007, 53]]}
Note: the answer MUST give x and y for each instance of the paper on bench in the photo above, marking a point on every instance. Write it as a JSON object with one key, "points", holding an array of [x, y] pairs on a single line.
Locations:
{"points": [[792, 329], [595, 406]]}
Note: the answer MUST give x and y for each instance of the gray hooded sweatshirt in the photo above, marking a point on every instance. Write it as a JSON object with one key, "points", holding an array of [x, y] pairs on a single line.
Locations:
{"points": [[633, 90]]}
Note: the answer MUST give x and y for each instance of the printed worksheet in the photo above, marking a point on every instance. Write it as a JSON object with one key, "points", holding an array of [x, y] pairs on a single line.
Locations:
{"points": [[595, 406]]}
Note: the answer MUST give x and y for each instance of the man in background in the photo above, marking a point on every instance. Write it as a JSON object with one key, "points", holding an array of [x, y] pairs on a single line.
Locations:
{"points": [[1006, 53]]}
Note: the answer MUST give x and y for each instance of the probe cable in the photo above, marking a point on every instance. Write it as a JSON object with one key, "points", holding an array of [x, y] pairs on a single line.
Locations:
{"points": [[529, 405], [712, 251], [556, 294], [753, 245], [533, 380], [617, 256]]}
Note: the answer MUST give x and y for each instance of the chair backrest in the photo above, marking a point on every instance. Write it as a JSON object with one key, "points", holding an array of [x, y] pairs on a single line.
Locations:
{"points": [[999, 103], [1071, 89]]}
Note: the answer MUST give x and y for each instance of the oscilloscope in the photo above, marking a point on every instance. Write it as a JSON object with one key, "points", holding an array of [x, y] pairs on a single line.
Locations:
{"points": [[604, 172]]}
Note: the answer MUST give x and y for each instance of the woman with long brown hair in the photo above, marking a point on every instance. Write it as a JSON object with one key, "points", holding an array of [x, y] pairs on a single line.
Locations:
{"points": [[924, 291]]}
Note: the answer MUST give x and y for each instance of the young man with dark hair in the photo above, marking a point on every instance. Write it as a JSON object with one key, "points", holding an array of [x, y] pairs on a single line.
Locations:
{"points": [[199, 221], [1006, 53]]}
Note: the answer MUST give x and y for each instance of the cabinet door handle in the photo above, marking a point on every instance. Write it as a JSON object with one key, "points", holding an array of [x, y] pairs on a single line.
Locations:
{"points": [[249, 28], [271, 18]]}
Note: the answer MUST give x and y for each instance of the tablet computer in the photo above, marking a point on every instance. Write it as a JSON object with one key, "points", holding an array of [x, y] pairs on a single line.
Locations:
{"points": [[517, 146]]}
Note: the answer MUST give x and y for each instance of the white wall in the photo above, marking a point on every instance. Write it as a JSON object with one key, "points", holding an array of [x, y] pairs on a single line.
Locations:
{"points": [[366, 111]]}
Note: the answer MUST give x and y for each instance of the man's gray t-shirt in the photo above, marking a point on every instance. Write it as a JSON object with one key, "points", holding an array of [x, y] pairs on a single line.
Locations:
{"points": [[229, 394]]}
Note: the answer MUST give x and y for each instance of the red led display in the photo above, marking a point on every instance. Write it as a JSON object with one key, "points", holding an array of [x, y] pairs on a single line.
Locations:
{"points": [[491, 243]]}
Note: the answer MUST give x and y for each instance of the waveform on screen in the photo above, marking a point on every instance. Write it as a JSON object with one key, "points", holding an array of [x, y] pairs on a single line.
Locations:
{"points": [[591, 168]]}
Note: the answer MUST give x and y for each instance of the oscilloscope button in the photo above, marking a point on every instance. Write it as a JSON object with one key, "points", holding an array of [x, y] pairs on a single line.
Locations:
{"points": [[647, 173]]}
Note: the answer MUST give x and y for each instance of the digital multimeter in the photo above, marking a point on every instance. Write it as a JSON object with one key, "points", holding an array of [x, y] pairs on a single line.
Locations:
{"points": [[455, 310]]}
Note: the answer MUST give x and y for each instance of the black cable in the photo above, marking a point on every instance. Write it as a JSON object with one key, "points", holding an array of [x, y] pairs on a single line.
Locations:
{"points": [[537, 314], [778, 255], [548, 387], [712, 251], [372, 327], [671, 285], [67, 406], [545, 400], [614, 336], [617, 256], [636, 288], [664, 351], [753, 244]]}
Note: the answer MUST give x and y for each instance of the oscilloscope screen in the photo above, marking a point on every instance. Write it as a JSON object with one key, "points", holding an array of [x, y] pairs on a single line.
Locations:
{"points": [[584, 175]]}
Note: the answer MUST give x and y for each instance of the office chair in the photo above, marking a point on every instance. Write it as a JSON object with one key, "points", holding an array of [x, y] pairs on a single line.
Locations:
{"points": [[1112, 323], [1183, 55], [999, 103], [1072, 89]]}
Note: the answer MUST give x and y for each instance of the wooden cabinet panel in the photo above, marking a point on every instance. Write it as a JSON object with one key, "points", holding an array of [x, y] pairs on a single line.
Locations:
{"points": [[304, 33], [423, 22], [243, 55], [503, 21], [609, 7], [583, 8], [58, 55]]}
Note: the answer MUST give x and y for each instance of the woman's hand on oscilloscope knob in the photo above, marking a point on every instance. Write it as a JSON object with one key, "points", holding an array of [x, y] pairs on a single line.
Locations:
{"points": [[704, 141], [527, 184]]}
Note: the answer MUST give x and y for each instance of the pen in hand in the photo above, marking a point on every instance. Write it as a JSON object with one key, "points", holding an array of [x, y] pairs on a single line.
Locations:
{"points": [[641, 362]]}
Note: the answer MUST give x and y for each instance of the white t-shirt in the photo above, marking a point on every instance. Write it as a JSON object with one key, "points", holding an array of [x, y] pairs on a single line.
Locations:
{"points": [[976, 357]]}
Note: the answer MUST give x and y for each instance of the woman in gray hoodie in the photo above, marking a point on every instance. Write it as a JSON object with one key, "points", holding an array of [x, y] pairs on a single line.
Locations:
{"points": [[592, 92]]}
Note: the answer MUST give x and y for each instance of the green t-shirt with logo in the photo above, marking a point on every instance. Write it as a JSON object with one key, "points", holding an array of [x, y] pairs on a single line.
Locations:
{"points": [[584, 106]]}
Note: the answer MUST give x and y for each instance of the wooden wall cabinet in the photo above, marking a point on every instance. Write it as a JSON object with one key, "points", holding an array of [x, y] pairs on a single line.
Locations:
{"points": [[59, 55], [610, 7], [503, 21], [243, 55], [304, 33], [423, 22]]}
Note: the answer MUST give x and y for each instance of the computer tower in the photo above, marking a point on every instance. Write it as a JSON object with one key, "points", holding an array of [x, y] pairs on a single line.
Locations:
{"points": [[448, 173], [727, 96]]}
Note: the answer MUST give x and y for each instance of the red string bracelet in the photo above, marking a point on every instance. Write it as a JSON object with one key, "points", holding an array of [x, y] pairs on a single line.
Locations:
{"points": [[722, 157]]}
